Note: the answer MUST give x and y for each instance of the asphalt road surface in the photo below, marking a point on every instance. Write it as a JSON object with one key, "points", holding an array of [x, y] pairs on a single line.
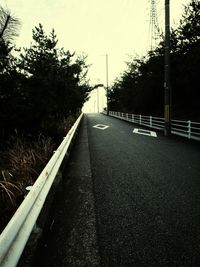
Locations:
{"points": [[145, 203], [147, 193]]}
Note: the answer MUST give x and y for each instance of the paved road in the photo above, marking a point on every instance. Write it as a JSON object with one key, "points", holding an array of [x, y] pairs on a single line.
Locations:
{"points": [[147, 196], [128, 200]]}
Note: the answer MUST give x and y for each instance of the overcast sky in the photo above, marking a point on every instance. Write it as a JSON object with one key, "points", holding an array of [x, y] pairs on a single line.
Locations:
{"points": [[118, 28], [96, 27]]}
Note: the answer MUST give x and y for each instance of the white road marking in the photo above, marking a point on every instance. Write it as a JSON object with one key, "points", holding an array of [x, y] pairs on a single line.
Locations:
{"points": [[145, 132], [101, 126]]}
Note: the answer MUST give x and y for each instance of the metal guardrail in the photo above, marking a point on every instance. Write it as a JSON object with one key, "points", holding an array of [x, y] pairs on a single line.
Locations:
{"points": [[183, 128], [16, 234]]}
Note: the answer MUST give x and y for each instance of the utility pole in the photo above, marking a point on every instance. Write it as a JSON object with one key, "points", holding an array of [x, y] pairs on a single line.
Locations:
{"points": [[167, 82], [107, 82]]}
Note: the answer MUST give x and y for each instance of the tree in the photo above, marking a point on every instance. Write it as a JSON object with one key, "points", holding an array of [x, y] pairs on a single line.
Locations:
{"points": [[189, 29], [9, 26], [140, 88], [43, 85], [9, 77], [186, 62], [55, 84]]}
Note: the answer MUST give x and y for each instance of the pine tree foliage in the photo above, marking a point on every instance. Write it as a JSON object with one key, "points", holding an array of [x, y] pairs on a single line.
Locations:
{"points": [[41, 86], [9, 28]]}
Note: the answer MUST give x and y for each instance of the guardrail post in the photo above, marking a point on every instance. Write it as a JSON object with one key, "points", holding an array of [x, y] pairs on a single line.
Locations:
{"points": [[133, 117], [151, 121], [189, 129], [140, 119], [127, 116]]}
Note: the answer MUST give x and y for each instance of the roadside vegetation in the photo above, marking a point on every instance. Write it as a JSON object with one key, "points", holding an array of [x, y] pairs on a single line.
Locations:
{"points": [[140, 88], [43, 88], [42, 91]]}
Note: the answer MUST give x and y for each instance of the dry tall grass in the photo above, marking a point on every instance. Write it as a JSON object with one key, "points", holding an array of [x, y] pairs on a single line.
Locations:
{"points": [[24, 162]]}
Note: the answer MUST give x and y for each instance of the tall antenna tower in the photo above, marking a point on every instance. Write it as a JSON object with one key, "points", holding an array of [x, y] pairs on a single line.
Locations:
{"points": [[154, 28]]}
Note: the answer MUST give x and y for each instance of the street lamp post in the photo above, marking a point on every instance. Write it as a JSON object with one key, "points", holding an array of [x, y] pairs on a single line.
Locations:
{"points": [[97, 94], [167, 82]]}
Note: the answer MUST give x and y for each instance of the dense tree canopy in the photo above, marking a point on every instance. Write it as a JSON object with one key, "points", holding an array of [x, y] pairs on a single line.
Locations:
{"points": [[140, 88], [43, 84]]}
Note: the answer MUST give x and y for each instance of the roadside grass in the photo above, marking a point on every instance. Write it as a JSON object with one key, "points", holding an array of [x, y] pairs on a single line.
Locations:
{"points": [[22, 161], [9, 190]]}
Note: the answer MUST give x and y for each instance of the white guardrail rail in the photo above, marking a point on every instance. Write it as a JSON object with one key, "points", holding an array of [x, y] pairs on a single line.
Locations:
{"points": [[16, 234], [183, 128]]}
